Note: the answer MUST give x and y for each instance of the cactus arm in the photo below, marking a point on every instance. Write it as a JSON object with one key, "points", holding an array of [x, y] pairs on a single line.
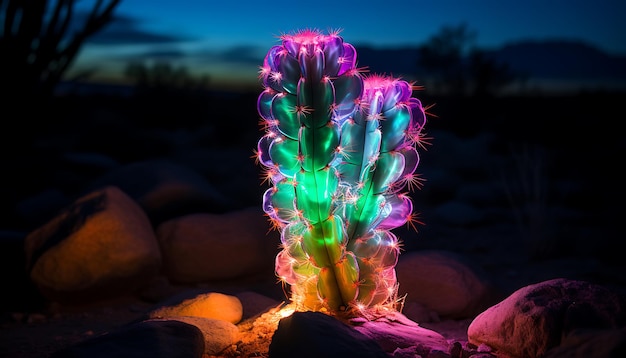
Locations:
{"points": [[301, 107], [381, 131]]}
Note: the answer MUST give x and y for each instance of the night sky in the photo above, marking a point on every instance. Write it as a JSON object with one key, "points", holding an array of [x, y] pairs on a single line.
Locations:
{"points": [[229, 38]]}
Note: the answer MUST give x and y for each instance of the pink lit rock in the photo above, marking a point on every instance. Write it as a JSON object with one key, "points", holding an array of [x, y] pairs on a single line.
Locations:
{"points": [[314, 334], [394, 331], [539, 317]]}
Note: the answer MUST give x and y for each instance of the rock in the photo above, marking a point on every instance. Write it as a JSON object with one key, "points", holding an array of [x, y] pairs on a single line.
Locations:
{"points": [[394, 331], [218, 334], [212, 305], [535, 318], [605, 343], [445, 283], [230, 170], [101, 245], [204, 247], [148, 339], [315, 335], [165, 189]]}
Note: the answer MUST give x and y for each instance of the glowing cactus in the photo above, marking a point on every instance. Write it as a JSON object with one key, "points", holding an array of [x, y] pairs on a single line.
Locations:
{"points": [[338, 150]]}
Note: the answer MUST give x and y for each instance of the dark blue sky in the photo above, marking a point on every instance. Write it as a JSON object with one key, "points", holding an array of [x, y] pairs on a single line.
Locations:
{"points": [[228, 39]]}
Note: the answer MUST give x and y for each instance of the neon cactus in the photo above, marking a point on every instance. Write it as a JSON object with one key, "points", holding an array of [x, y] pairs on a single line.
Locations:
{"points": [[339, 149]]}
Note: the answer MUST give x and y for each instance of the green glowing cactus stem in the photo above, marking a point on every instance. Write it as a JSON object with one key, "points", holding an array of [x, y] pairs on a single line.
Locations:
{"points": [[317, 184], [311, 83]]}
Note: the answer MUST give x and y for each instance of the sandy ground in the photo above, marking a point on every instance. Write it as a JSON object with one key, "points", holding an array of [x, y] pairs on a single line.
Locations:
{"points": [[39, 335]]}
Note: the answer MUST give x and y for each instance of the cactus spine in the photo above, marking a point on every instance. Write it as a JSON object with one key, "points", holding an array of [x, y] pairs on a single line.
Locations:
{"points": [[338, 149]]}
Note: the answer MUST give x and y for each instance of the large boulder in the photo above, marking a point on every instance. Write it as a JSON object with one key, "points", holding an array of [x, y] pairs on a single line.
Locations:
{"points": [[165, 189], [203, 247], [100, 246], [539, 317], [446, 283], [315, 334]]}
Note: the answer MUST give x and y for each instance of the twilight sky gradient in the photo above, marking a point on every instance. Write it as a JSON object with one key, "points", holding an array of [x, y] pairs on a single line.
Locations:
{"points": [[229, 38]]}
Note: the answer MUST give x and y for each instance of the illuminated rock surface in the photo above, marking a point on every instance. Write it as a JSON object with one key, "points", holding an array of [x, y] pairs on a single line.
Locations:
{"points": [[203, 247], [538, 317], [445, 283], [212, 305], [163, 188], [315, 334], [396, 332], [100, 244]]}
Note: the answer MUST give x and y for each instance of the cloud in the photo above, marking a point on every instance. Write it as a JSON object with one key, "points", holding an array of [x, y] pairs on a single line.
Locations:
{"points": [[241, 54], [124, 30], [236, 55], [156, 54]]}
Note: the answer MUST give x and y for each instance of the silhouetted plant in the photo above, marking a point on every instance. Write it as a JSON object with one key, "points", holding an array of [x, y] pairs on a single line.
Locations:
{"points": [[162, 77], [38, 44], [168, 96], [442, 56], [461, 68]]}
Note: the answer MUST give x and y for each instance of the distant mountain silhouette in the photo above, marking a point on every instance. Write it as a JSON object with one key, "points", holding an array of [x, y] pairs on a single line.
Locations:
{"points": [[549, 60], [399, 62], [557, 63], [561, 60]]}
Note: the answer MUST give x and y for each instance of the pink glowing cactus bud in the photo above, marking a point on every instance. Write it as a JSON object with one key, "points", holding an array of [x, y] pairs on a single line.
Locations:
{"points": [[338, 151]]}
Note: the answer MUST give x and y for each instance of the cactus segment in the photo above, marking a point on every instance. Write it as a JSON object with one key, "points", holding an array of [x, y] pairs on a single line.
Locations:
{"points": [[286, 119], [314, 193], [320, 148]]}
